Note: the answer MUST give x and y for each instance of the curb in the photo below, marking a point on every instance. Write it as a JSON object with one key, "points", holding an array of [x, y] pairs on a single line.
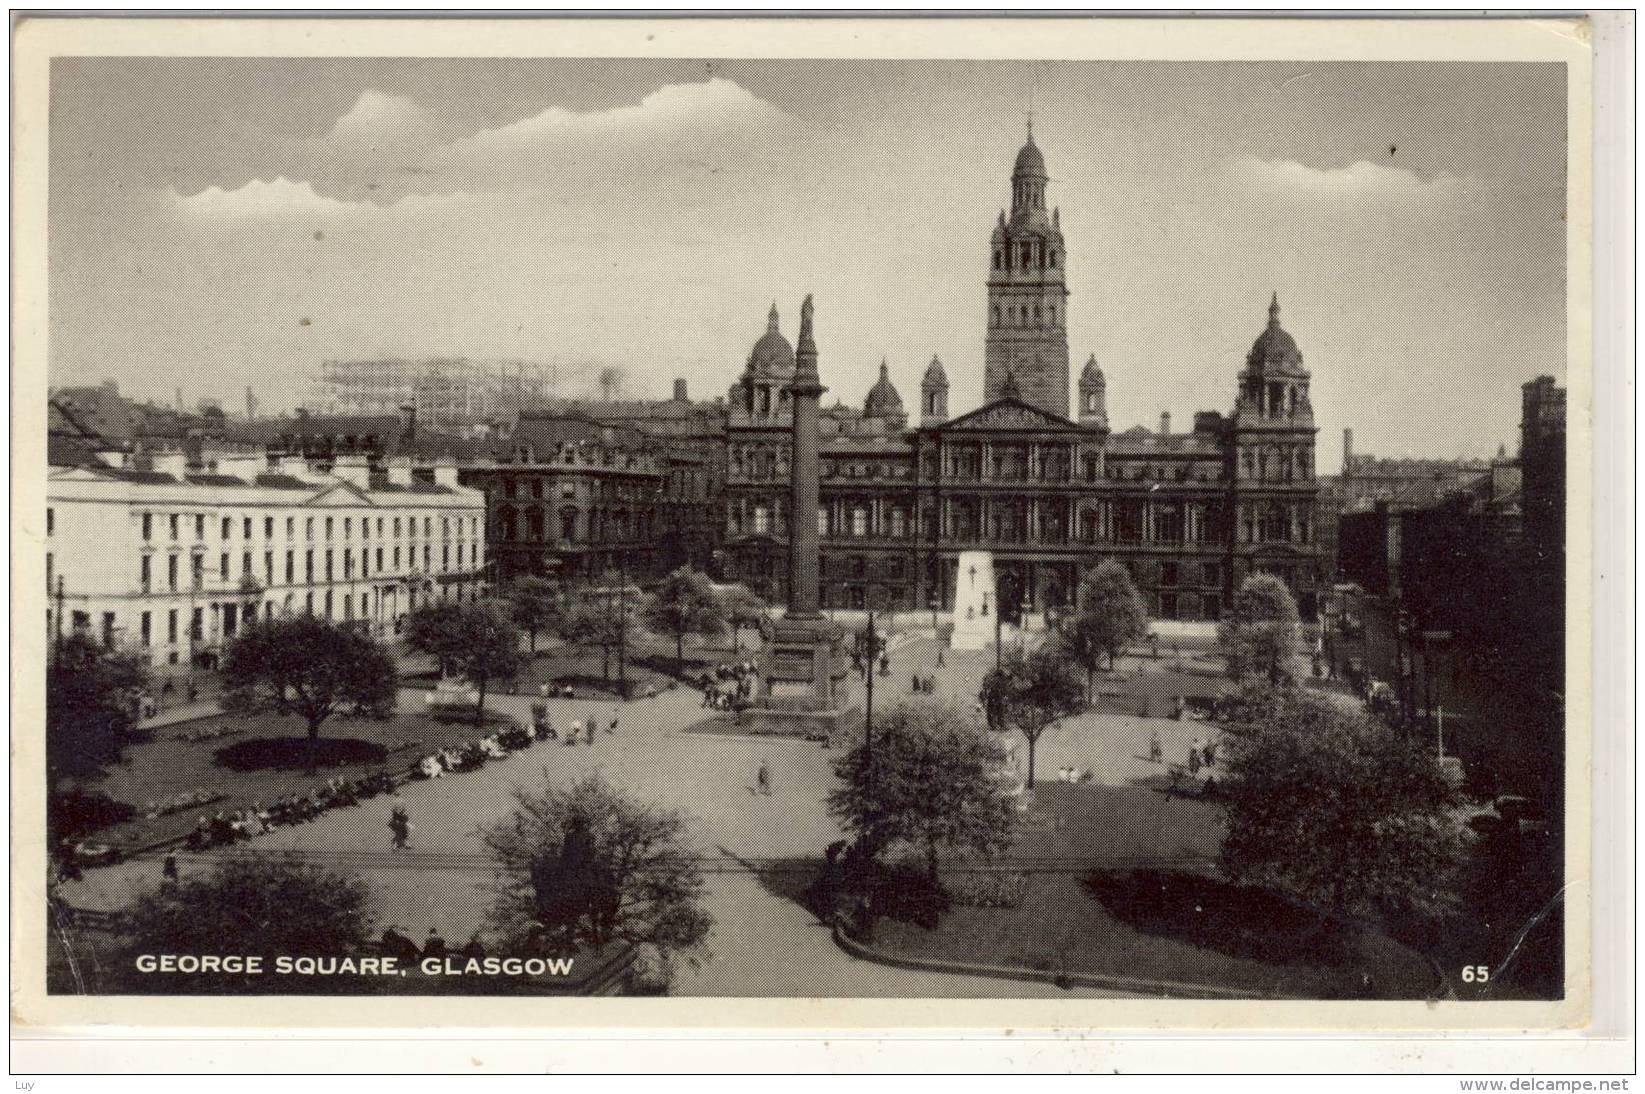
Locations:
{"points": [[1166, 989]]}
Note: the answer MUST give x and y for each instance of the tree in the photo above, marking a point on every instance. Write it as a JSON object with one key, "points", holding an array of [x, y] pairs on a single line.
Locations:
{"points": [[91, 716], [684, 603], [91, 708], [1259, 637], [602, 617], [309, 667], [1108, 618], [1326, 804], [1031, 694], [933, 781], [589, 864], [252, 906], [743, 608], [537, 605], [486, 647], [433, 629]]}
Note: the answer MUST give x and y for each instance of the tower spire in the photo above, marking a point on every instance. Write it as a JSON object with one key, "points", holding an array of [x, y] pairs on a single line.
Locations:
{"points": [[771, 323], [1273, 310]]}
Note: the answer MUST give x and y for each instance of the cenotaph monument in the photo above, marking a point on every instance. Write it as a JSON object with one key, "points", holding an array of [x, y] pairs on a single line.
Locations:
{"points": [[976, 601]]}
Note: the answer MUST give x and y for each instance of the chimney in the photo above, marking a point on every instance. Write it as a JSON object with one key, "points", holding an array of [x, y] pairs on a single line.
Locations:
{"points": [[399, 471], [408, 422], [679, 390], [1347, 451], [445, 472], [354, 470], [1165, 423]]}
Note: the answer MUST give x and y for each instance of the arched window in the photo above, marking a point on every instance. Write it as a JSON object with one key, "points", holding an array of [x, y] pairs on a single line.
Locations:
{"points": [[1053, 315], [1036, 313], [996, 315], [998, 261], [1053, 259], [568, 523]]}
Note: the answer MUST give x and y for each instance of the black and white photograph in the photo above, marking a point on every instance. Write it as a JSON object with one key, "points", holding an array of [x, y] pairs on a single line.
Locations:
{"points": [[782, 527]]}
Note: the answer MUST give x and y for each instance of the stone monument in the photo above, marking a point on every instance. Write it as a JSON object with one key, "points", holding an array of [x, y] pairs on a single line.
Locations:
{"points": [[804, 660], [975, 601]]}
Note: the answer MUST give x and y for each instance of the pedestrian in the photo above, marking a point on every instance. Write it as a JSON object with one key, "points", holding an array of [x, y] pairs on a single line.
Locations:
{"points": [[918, 684], [168, 870], [1156, 753], [400, 825], [1210, 753], [762, 779], [612, 728], [593, 723], [1193, 761], [939, 657]]}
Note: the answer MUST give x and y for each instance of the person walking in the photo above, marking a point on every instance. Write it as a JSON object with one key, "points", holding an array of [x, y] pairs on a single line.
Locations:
{"points": [[762, 779], [615, 717], [168, 870], [1193, 761], [1156, 752], [593, 723], [400, 825]]}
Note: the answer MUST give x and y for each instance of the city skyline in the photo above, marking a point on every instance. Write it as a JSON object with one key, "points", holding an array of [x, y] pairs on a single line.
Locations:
{"points": [[393, 190]]}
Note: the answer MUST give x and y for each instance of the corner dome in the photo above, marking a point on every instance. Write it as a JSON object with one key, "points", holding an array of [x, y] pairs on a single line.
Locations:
{"points": [[883, 400], [1274, 346], [1092, 373], [772, 354]]}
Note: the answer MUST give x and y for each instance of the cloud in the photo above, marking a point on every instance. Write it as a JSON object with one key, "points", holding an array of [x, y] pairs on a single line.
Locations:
{"points": [[285, 199], [701, 114], [378, 118], [1361, 179]]}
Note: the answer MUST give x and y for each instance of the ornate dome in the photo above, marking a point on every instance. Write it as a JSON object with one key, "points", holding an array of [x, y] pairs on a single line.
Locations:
{"points": [[1092, 373], [1274, 346], [771, 354], [935, 376], [883, 400], [1029, 159]]}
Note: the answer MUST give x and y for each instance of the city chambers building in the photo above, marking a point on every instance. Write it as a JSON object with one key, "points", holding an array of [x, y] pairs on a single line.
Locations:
{"points": [[1190, 513]]}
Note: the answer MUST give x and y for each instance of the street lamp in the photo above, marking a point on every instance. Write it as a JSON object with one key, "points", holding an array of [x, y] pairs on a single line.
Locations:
{"points": [[870, 644]]}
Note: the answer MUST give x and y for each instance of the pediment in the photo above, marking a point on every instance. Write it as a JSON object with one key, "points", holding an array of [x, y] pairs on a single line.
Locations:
{"points": [[339, 495], [1012, 414]]}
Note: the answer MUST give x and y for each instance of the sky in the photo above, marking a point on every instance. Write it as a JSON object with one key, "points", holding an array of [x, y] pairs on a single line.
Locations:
{"points": [[216, 223]]}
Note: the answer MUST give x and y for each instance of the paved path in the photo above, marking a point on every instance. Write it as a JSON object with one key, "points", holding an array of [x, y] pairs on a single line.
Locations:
{"points": [[763, 944]]}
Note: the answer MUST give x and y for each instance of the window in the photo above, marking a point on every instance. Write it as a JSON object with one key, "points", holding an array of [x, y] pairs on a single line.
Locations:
{"points": [[308, 603], [171, 627], [199, 526], [428, 526], [348, 563], [348, 527], [197, 624], [428, 557], [859, 521], [379, 560], [762, 519], [245, 564], [396, 527], [144, 577], [291, 567], [328, 566], [222, 566], [146, 625], [268, 567], [246, 529], [51, 522], [308, 566], [148, 525], [999, 260], [822, 520], [329, 523], [291, 527], [445, 557], [171, 573], [228, 527], [174, 521], [198, 574], [365, 527], [396, 557], [328, 603], [308, 527]]}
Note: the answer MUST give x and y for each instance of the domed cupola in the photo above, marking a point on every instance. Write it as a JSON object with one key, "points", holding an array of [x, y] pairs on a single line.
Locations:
{"points": [[772, 355], [883, 400], [1030, 161], [934, 393], [1275, 351], [1093, 395]]}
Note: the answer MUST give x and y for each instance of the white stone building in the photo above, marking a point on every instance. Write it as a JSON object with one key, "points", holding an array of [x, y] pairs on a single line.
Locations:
{"points": [[171, 559]]}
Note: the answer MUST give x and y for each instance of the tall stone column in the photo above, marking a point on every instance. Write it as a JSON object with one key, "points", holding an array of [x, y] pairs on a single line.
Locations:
{"points": [[805, 475]]}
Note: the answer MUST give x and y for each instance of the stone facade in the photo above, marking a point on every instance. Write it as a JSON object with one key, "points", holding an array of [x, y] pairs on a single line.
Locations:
{"points": [[1191, 513]]}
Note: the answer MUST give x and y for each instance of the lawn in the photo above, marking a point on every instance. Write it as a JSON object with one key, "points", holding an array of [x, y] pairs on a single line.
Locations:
{"points": [[1149, 911], [168, 764]]}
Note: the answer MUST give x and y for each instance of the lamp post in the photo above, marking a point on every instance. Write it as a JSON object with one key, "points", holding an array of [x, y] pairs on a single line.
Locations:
{"points": [[869, 647]]}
